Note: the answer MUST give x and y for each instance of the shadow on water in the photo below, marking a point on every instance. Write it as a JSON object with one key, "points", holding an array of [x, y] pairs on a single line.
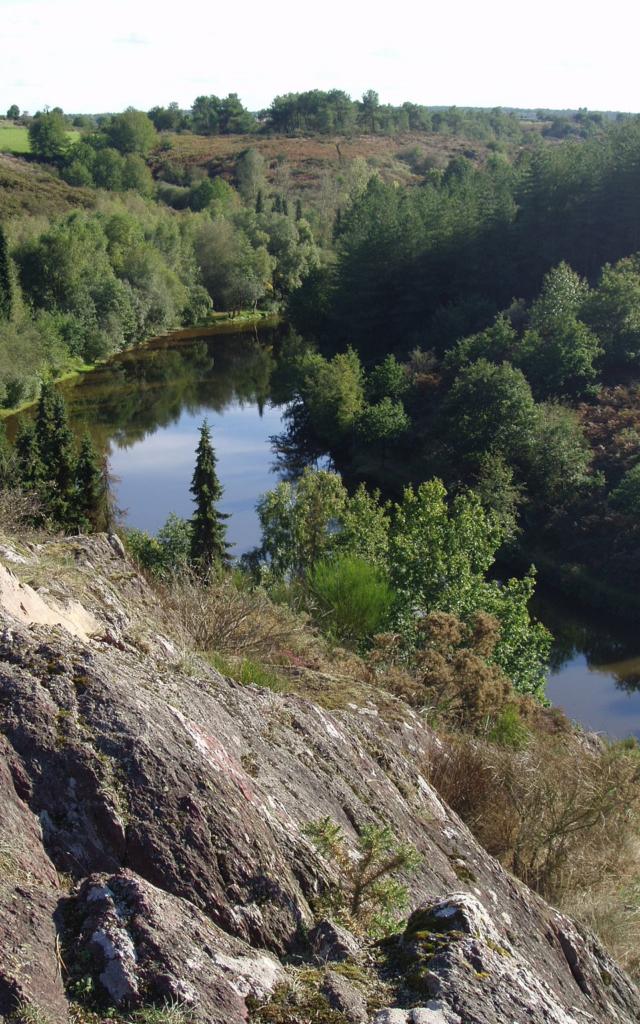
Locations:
{"points": [[595, 667]]}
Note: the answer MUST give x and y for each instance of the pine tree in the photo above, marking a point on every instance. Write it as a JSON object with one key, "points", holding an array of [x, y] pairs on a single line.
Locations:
{"points": [[62, 465], [259, 201], [8, 463], [30, 471], [44, 425], [208, 538], [90, 503], [6, 279], [285, 206], [55, 448], [277, 203], [298, 209]]}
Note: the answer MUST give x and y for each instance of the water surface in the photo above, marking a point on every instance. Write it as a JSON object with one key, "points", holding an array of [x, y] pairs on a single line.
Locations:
{"points": [[144, 408], [595, 669]]}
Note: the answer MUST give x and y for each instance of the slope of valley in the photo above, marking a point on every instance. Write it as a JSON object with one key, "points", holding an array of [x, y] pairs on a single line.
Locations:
{"points": [[153, 848]]}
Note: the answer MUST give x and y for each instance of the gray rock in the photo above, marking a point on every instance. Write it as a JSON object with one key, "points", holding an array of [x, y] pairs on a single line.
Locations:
{"points": [[29, 894], [332, 942], [434, 1013], [390, 1016], [135, 938], [342, 995], [185, 796], [117, 545]]}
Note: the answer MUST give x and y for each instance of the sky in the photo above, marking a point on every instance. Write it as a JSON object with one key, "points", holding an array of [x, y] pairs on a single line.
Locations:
{"points": [[92, 57]]}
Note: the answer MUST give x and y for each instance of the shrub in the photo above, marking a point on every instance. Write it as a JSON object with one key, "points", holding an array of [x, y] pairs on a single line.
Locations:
{"points": [[550, 810], [509, 730], [18, 510], [353, 598], [368, 894], [451, 672], [626, 496], [225, 616], [167, 552]]}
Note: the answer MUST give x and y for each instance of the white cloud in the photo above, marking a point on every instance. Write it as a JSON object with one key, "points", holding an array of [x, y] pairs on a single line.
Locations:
{"points": [[133, 39]]}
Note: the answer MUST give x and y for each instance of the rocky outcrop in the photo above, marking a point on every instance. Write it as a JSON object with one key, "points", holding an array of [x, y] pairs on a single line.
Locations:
{"points": [[152, 815], [29, 894], [147, 945]]}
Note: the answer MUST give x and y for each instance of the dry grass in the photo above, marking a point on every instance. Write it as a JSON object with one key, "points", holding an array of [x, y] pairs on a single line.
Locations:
{"points": [[613, 913], [231, 619], [246, 634], [562, 814], [17, 511], [29, 188]]}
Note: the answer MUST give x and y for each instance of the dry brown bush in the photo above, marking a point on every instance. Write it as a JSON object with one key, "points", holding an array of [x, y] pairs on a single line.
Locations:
{"points": [[562, 814], [17, 510], [227, 617], [451, 673], [558, 813]]}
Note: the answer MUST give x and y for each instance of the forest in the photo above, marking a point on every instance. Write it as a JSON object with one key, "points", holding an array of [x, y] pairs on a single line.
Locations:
{"points": [[477, 323]]}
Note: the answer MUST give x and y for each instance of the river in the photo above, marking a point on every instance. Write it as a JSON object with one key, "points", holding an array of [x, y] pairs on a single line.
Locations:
{"points": [[144, 408]]}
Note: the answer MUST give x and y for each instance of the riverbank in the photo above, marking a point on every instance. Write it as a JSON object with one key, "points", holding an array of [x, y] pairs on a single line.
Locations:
{"points": [[218, 323]]}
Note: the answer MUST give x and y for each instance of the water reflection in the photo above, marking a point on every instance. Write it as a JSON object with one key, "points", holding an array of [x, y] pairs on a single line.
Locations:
{"points": [[144, 408], [595, 668]]}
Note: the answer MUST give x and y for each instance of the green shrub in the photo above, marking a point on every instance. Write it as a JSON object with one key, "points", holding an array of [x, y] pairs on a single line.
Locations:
{"points": [[626, 496], [368, 896], [165, 554], [509, 730], [352, 596]]}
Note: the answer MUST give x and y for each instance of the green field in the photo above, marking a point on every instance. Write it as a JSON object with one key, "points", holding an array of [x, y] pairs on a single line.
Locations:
{"points": [[14, 138]]}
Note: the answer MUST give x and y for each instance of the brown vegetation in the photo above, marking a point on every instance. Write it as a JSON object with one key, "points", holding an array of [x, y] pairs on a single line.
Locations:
{"points": [[612, 425], [29, 188], [562, 814], [309, 158], [453, 675]]}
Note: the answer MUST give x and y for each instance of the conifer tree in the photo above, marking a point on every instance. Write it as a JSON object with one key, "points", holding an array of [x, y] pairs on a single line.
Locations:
{"points": [[298, 209], [6, 280], [62, 465], [90, 504], [44, 425], [277, 203], [260, 201], [30, 471], [209, 547], [285, 206], [8, 466], [55, 449]]}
